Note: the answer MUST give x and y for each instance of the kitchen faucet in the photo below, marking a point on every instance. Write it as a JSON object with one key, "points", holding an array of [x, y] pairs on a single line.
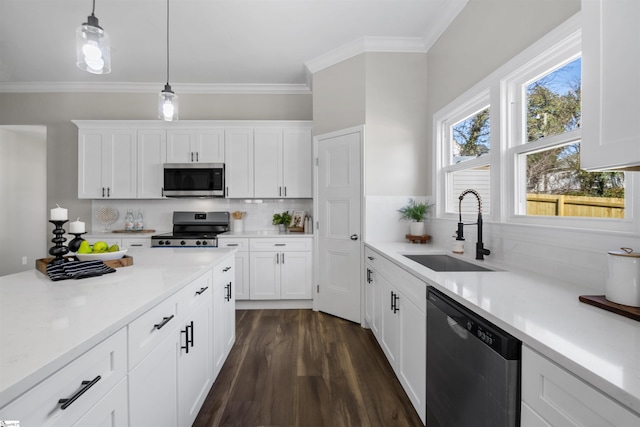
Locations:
{"points": [[480, 249]]}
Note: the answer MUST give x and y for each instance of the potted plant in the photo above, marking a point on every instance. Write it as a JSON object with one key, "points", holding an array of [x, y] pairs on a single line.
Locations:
{"points": [[281, 220], [415, 212]]}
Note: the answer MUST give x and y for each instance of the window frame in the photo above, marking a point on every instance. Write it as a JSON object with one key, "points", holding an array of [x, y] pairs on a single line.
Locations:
{"points": [[505, 89]]}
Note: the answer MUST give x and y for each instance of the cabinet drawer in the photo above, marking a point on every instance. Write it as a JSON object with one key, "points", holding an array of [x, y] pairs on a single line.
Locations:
{"points": [[282, 244], [195, 293], [242, 245], [561, 399], [148, 330], [101, 368], [413, 289], [136, 243]]}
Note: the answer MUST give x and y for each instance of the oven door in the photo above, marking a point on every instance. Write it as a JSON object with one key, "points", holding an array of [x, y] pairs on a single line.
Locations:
{"points": [[194, 179]]}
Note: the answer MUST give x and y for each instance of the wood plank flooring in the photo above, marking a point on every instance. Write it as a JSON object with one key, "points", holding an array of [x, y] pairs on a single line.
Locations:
{"points": [[305, 368]]}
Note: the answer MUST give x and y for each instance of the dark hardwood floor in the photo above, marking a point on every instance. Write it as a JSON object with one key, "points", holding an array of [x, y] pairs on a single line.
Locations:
{"points": [[305, 368]]}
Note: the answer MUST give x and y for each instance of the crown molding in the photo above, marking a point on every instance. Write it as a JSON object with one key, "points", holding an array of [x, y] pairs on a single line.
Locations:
{"points": [[184, 88], [364, 45], [446, 14]]}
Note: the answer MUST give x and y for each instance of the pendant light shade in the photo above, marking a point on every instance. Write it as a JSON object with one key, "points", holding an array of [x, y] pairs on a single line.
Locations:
{"points": [[93, 46], [167, 100]]}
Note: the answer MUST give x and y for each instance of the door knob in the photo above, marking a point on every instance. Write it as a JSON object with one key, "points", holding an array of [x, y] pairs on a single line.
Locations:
{"points": [[354, 237]]}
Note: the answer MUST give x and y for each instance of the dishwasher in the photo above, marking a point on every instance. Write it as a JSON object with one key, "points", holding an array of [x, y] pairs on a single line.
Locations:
{"points": [[473, 368]]}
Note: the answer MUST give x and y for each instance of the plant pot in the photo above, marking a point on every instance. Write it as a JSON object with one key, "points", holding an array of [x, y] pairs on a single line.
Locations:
{"points": [[416, 228], [282, 228]]}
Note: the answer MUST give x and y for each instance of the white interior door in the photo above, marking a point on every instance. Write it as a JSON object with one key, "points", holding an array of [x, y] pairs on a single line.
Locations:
{"points": [[339, 228]]}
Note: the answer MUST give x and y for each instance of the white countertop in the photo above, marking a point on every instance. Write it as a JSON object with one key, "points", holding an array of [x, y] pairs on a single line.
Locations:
{"points": [[44, 324], [262, 233], [601, 347]]}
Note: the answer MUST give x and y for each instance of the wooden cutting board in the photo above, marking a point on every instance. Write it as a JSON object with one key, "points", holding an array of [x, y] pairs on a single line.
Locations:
{"points": [[125, 261], [601, 302]]}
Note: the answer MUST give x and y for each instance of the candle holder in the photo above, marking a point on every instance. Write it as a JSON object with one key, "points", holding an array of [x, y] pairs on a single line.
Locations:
{"points": [[74, 244], [59, 250]]}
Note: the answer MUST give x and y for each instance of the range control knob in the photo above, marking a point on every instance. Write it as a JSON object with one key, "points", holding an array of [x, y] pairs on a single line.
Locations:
{"points": [[167, 242], [183, 242], [197, 242], [204, 243]]}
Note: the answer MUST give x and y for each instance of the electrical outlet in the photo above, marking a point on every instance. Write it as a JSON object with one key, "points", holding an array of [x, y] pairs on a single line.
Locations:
{"points": [[24, 260]]}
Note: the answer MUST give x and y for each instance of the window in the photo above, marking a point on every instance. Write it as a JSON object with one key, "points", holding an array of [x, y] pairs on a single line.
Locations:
{"points": [[465, 156], [515, 138]]}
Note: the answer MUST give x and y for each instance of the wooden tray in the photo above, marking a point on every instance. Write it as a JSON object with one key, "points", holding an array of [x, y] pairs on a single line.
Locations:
{"points": [[418, 239], [601, 302], [146, 230], [125, 261]]}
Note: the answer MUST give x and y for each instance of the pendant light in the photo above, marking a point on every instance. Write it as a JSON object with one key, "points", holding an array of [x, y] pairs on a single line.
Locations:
{"points": [[93, 50], [168, 101]]}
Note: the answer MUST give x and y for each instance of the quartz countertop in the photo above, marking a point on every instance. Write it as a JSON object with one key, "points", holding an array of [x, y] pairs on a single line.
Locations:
{"points": [[44, 324], [598, 346], [262, 233]]}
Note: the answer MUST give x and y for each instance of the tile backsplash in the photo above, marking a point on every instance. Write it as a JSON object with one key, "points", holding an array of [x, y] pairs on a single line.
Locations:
{"points": [[158, 214]]}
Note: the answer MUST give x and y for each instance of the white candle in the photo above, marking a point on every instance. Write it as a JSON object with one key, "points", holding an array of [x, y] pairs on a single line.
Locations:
{"points": [[76, 227], [59, 214]]}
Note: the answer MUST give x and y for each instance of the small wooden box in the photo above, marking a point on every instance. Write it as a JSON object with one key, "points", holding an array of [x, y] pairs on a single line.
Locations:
{"points": [[125, 261], [418, 239]]}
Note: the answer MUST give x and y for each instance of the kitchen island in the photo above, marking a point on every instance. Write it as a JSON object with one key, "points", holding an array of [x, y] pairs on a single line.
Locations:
{"points": [[45, 325], [578, 346]]}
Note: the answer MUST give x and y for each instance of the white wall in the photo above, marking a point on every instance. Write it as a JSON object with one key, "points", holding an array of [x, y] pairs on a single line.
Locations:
{"points": [[23, 197]]}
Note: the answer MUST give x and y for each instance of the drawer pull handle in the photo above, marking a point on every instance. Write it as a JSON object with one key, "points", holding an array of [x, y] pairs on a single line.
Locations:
{"points": [[86, 385], [201, 291], [371, 258], [165, 320], [224, 270], [136, 245], [280, 244], [232, 244]]}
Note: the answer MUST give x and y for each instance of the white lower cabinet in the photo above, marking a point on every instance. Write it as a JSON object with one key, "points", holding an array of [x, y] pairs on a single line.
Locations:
{"points": [[552, 396], [241, 285], [395, 310], [280, 268], [224, 313], [111, 411], [77, 390]]}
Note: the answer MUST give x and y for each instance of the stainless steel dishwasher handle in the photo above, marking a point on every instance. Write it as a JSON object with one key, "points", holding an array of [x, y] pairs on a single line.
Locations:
{"points": [[459, 330]]}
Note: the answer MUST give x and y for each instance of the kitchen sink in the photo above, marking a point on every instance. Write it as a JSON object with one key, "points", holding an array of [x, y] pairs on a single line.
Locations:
{"points": [[443, 262]]}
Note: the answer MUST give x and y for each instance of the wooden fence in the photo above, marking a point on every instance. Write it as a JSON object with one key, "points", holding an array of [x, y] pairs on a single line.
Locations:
{"points": [[558, 205]]}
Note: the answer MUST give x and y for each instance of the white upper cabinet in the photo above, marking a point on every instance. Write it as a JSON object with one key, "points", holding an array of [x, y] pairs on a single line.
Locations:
{"points": [[283, 163], [107, 164], [152, 154], [191, 146], [610, 85], [239, 163]]}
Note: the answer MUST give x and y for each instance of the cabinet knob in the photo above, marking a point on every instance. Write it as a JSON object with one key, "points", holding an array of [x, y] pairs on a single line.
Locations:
{"points": [[354, 237]]}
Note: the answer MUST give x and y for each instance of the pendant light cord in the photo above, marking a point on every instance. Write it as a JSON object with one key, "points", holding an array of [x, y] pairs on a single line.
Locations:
{"points": [[167, 41], [93, 9]]}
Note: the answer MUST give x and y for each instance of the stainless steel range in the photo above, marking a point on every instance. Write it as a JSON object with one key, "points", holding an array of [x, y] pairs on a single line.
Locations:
{"points": [[193, 229]]}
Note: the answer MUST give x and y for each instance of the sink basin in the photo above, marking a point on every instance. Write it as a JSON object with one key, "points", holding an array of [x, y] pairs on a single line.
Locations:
{"points": [[445, 263]]}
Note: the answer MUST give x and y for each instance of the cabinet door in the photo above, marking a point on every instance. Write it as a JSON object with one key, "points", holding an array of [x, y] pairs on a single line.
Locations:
{"points": [[229, 321], [268, 163], [241, 284], [194, 367], [238, 149], [610, 86], [297, 163], [180, 146], [295, 275], [153, 388], [219, 295], [390, 339], [90, 165], [264, 276], [413, 353], [119, 164], [368, 287], [209, 146], [152, 154], [112, 410]]}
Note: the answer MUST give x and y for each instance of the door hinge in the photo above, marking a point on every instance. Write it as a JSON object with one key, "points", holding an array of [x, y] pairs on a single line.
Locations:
{"points": [[317, 225], [318, 288], [317, 162]]}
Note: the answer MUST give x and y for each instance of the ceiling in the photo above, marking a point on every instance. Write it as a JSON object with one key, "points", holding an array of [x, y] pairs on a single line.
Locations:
{"points": [[215, 45]]}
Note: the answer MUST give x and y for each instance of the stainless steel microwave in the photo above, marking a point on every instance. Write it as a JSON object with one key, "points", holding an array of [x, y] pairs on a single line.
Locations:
{"points": [[194, 179]]}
